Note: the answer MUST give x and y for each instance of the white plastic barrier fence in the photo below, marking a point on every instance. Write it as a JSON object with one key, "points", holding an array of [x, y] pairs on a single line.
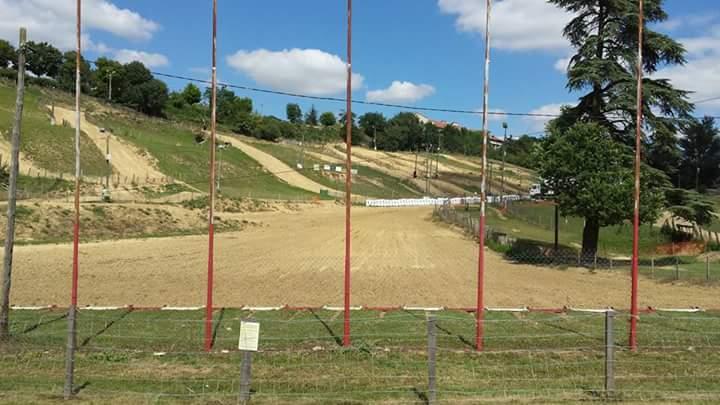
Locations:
{"points": [[425, 202]]}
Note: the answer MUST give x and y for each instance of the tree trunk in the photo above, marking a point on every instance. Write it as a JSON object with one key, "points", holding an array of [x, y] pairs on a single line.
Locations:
{"points": [[591, 235]]}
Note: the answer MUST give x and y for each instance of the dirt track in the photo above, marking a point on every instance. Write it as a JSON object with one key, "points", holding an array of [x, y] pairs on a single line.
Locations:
{"points": [[274, 165], [400, 257], [126, 160]]}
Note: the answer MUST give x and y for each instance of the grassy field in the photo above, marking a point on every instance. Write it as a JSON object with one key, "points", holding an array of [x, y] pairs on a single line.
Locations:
{"points": [[132, 356], [180, 156], [49, 147], [533, 223], [530, 220], [368, 182]]}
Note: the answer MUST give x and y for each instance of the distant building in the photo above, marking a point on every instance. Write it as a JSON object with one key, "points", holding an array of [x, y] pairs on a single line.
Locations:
{"points": [[495, 142], [438, 124]]}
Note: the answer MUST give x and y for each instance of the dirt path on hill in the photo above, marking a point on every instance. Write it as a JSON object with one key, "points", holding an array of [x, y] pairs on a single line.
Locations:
{"points": [[25, 163], [278, 168], [126, 160], [400, 257]]}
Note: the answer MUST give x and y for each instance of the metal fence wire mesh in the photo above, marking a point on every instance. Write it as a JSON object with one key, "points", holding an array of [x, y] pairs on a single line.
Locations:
{"points": [[136, 356]]}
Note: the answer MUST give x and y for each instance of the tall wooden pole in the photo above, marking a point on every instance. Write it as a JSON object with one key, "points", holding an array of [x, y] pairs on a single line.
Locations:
{"points": [[72, 312], [12, 190], [348, 176], [211, 210], [636, 214], [479, 309]]}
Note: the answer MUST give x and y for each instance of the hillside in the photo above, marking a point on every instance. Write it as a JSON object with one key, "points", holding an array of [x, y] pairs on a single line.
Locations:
{"points": [[149, 152]]}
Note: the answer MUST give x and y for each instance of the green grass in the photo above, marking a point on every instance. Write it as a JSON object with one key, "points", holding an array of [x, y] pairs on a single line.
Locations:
{"points": [[179, 156], [538, 220], [49, 147], [368, 182], [534, 222], [156, 356]]}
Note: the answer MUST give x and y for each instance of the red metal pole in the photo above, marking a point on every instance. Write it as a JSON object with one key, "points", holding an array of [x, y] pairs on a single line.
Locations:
{"points": [[480, 307], [211, 210], [636, 217], [348, 175], [68, 389]]}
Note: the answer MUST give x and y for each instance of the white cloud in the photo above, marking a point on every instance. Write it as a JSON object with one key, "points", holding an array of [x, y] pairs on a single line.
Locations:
{"points": [[561, 65], [401, 92], [307, 71], [515, 24], [701, 74], [151, 60], [54, 21], [545, 114]]}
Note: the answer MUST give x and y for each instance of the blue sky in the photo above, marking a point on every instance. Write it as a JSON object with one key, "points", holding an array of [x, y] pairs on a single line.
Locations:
{"points": [[417, 52]]}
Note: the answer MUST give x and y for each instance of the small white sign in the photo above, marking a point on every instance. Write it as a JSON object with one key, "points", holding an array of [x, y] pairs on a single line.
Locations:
{"points": [[299, 166], [338, 169], [249, 336], [354, 171], [326, 167], [316, 167]]}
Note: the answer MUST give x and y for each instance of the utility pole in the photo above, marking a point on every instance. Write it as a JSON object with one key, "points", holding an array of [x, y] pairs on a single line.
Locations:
{"points": [[12, 190], [502, 169], [110, 85], [220, 148], [106, 193]]}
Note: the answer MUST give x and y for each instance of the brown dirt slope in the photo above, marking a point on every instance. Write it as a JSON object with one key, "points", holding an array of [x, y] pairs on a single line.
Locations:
{"points": [[126, 160]]}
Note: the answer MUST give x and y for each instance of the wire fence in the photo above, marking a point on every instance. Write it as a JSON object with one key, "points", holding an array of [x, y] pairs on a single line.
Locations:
{"points": [[399, 356], [532, 249]]}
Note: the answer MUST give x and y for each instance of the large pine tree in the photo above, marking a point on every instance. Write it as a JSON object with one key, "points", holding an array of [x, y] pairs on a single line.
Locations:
{"points": [[604, 34]]}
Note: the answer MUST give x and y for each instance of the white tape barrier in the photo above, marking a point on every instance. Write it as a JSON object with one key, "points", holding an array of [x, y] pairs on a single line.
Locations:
{"points": [[431, 202]]}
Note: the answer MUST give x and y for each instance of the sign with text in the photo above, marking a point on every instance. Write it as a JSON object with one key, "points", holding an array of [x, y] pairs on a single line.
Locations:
{"points": [[249, 336]]}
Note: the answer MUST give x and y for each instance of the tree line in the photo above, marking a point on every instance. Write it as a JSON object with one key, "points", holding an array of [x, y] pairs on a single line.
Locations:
{"points": [[130, 84]]}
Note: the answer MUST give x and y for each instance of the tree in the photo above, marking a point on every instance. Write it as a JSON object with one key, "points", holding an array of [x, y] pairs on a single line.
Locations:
{"points": [[604, 35], [191, 94], [104, 69], [521, 151], [136, 73], [232, 110], [43, 59], [357, 135], [268, 129], [690, 206], [311, 118], [294, 113], [149, 97], [8, 55], [372, 123], [663, 152], [592, 177], [700, 154], [66, 74], [327, 119]]}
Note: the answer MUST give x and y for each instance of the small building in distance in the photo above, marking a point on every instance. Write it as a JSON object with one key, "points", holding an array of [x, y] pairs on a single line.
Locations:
{"points": [[493, 141]]}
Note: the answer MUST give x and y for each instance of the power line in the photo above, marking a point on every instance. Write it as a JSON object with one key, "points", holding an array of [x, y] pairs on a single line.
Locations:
{"points": [[372, 103], [707, 100]]}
